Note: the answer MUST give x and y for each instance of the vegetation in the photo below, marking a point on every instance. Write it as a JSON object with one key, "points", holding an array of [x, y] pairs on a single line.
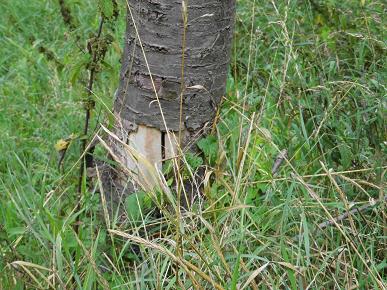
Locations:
{"points": [[307, 77]]}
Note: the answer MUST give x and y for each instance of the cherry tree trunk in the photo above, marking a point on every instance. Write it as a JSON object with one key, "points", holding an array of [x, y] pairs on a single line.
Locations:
{"points": [[173, 76]]}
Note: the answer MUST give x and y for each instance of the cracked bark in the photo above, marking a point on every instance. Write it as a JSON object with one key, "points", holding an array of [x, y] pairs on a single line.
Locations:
{"points": [[207, 52]]}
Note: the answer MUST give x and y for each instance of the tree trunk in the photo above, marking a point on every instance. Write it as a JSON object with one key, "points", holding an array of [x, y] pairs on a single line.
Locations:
{"points": [[173, 76]]}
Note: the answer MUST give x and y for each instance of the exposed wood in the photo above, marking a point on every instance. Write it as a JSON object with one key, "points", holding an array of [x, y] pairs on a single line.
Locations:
{"points": [[147, 142], [173, 76]]}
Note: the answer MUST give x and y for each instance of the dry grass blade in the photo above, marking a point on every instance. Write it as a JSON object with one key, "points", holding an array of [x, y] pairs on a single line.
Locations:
{"points": [[216, 244], [103, 200], [104, 283], [255, 274], [338, 173], [25, 265], [376, 277], [31, 265], [342, 196], [186, 266]]}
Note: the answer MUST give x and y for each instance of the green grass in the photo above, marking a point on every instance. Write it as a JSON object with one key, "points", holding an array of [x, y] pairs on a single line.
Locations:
{"points": [[306, 76]]}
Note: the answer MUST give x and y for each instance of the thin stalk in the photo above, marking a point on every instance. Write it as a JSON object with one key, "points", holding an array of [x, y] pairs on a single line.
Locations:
{"points": [[88, 111], [179, 246]]}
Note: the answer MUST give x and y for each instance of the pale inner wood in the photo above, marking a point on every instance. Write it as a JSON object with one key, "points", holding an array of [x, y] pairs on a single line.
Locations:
{"points": [[147, 142]]}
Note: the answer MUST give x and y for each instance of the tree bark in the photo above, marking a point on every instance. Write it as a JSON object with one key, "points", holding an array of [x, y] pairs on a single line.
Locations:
{"points": [[174, 67]]}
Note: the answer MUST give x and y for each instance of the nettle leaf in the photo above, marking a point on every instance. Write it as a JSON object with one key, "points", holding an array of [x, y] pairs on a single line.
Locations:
{"points": [[78, 67], [106, 7], [194, 161], [251, 195], [209, 146]]}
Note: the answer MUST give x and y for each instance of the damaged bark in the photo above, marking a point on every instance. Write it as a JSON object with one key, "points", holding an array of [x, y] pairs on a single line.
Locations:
{"points": [[148, 99]]}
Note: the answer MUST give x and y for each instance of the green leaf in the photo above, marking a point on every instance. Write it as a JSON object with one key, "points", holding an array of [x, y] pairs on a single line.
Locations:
{"points": [[381, 266], [16, 231], [59, 256], [346, 156], [235, 274], [136, 204], [325, 31], [106, 7], [209, 146], [194, 161]]}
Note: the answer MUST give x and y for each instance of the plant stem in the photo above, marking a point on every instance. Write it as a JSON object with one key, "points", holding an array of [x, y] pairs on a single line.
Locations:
{"points": [[88, 110]]}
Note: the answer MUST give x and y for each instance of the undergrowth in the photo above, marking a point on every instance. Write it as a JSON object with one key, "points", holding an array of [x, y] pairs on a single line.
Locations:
{"points": [[306, 91]]}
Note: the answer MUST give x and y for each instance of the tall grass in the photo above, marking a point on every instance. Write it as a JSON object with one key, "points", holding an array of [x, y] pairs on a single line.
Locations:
{"points": [[306, 77]]}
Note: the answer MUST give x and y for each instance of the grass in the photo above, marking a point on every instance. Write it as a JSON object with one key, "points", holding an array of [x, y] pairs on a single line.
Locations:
{"points": [[306, 76]]}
